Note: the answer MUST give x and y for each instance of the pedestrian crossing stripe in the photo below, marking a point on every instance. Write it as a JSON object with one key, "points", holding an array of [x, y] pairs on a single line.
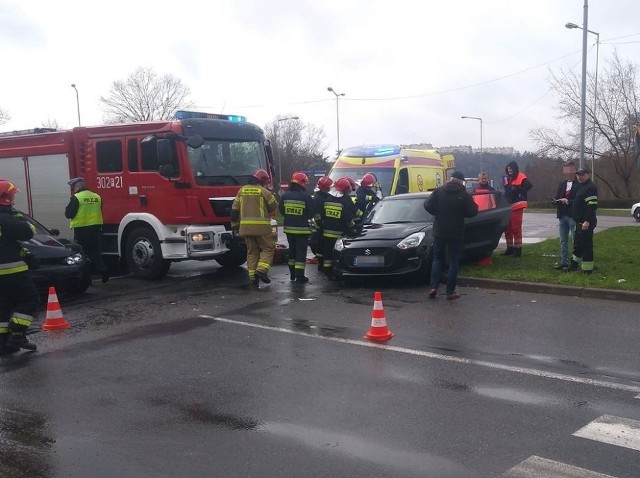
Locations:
{"points": [[617, 431], [536, 467]]}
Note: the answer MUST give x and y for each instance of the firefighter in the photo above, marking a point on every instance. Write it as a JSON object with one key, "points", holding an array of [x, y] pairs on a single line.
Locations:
{"points": [[585, 205], [338, 214], [296, 206], [324, 186], [250, 217], [84, 211], [19, 298], [366, 197]]}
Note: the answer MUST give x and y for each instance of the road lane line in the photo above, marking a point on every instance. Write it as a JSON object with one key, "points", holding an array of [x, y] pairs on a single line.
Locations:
{"points": [[442, 357], [617, 431], [536, 467]]}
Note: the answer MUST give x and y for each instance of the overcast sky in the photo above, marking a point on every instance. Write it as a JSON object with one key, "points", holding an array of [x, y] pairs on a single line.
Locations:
{"points": [[409, 69]]}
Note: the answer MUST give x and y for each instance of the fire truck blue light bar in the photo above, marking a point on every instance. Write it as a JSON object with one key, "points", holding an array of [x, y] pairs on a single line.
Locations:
{"points": [[199, 114]]}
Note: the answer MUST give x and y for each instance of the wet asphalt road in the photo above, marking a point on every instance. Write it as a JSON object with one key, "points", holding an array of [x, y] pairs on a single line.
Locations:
{"points": [[194, 376]]}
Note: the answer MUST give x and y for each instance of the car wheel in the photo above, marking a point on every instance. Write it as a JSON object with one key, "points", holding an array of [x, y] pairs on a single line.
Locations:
{"points": [[636, 214], [144, 256], [423, 274]]}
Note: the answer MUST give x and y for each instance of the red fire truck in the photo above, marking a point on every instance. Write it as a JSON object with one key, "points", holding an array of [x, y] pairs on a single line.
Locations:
{"points": [[167, 186]]}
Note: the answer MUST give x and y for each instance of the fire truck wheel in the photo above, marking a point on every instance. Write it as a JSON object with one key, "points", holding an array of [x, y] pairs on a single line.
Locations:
{"points": [[144, 256]]}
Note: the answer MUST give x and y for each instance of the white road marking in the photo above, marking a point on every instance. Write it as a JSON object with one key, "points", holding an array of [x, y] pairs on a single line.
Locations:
{"points": [[537, 467], [614, 431], [445, 358]]}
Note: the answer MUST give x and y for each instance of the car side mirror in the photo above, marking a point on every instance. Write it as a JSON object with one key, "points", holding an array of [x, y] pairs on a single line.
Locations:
{"points": [[54, 232]]}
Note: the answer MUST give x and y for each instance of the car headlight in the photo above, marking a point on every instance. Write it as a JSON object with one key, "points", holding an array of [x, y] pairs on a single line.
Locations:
{"points": [[339, 245], [411, 241], [200, 237], [74, 259]]}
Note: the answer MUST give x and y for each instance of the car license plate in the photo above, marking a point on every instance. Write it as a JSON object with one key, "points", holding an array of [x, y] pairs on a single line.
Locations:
{"points": [[369, 261]]}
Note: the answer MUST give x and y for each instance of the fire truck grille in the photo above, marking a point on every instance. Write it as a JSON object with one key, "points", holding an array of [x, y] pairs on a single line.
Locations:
{"points": [[221, 207]]}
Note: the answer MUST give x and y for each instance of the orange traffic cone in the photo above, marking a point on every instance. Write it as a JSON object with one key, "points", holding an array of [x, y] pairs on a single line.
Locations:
{"points": [[378, 329], [485, 261], [54, 320]]}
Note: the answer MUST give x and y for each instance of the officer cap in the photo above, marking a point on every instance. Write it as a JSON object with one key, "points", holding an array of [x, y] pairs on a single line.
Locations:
{"points": [[74, 181]]}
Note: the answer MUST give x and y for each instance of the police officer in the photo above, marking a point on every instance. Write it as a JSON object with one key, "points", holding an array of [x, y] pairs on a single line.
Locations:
{"points": [[250, 216], [85, 213], [19, 299], [338, 213], [366, 197], [324, 186], [296, 208]]}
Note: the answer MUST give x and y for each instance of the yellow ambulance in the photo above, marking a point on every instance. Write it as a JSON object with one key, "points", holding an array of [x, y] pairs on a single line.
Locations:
{"points": [[398, 169]]}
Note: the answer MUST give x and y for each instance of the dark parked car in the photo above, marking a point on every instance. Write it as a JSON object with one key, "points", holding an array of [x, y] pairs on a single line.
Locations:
{"points": [[61, 263], [396, 237]]}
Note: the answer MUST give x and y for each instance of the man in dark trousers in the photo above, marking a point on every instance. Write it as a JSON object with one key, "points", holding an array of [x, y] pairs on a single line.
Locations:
{"points": [[584, 214], [564, 200], [296, 207], [19, 300], [85, 213], [324, 186], [449, 204]]}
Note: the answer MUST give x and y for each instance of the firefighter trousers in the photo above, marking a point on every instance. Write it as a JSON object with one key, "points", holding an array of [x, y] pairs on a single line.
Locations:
{"points": [[260, 251], [583, 247], [19, 303], [298, 244]]}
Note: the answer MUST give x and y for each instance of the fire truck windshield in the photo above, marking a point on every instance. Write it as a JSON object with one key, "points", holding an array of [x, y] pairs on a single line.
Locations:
{"points": [[226, 162]]}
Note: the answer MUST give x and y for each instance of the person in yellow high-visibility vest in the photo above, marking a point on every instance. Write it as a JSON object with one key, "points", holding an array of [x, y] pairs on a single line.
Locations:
{"points": [[85, 213], [251, 217]]}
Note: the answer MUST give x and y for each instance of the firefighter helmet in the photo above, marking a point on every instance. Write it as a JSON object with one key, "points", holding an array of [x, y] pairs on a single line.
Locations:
{"points": [[7, 191], [368, 180], [343, 185], [324, 184], [300, 178], [353, 184], [262, 176]]}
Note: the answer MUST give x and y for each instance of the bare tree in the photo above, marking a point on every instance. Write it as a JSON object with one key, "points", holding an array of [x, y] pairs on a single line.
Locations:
{"points": [[4, 116], [616, 111], [52, 123], [145, 96], [296, 146]]}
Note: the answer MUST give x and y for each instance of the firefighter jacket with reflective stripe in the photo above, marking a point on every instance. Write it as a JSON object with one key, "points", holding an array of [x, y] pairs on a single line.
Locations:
{"points": [[89, 212], [365, 196], [13, 229], [337, 215], [585, 204], [251, 210], [296, 207]]}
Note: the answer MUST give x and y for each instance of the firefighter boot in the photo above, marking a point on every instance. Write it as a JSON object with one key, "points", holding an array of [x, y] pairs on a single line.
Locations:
{"points": [[320, 264], [263, 276], [508, 252], [517, 252], [300, 277], [18, 338], [292, 272], [574, 265], [4, 350]]}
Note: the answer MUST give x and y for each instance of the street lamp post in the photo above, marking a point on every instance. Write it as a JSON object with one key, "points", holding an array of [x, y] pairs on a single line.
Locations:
{"points": [[338, 95], [279, 155], [595, 93], [73, 85], [481, 150]]}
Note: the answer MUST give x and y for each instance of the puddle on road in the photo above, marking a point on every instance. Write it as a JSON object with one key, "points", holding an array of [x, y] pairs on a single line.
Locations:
{"points": [[26, 444]]}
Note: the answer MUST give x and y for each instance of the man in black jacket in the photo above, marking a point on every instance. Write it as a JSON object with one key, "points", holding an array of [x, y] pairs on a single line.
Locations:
{"points": [[449, 204], [296, 208], [19, 299], [584, 215], [564, 200]]}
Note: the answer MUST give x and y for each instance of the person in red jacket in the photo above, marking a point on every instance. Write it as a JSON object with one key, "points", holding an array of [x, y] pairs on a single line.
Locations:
{"points": [[516, 186]]}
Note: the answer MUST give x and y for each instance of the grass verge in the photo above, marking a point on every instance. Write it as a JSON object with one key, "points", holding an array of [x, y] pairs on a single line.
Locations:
{"points": [[616, 263]]}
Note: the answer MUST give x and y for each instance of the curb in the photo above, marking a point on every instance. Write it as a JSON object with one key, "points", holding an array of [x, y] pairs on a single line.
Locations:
{"points": [[556, 289]]}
